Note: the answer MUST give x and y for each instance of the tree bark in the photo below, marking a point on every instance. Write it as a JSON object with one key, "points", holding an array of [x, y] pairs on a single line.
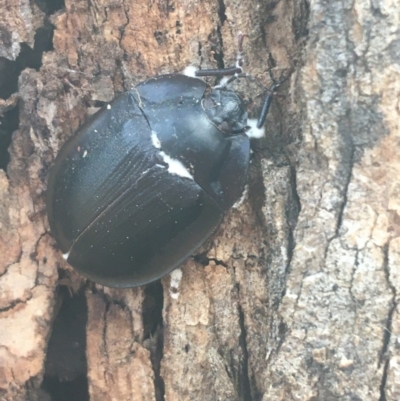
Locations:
{"points": [[295, 297]]}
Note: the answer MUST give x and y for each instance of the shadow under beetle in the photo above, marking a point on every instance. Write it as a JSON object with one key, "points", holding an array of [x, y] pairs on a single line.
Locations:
{"points": [[147, 179]]}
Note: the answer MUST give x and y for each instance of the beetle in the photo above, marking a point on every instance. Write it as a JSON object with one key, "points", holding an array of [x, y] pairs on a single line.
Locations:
{"points": [[147, 179]]}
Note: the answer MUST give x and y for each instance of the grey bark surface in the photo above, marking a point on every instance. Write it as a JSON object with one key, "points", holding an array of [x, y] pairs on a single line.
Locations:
{"points": [[296, 297]]}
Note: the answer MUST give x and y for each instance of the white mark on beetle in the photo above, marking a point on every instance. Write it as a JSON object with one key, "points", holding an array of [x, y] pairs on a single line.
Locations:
{"points": [[85, 152], [222, 83], [175, 281], [175, 166], [144, 172], [154, 139], [66, 255], [242, 198], [109, 107], [253, 131], [138, 95], [190, 71]]}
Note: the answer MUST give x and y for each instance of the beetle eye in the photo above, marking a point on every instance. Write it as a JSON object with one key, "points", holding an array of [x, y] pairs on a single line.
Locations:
{"points": [[225, 109]]}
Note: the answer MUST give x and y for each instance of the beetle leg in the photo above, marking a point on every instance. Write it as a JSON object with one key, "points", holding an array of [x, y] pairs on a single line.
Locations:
{"points": [[268, 99], [266, 105], [220, 72]]}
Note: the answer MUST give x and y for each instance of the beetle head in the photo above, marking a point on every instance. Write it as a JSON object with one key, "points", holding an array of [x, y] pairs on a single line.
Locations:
{"points": [[226, 110]]}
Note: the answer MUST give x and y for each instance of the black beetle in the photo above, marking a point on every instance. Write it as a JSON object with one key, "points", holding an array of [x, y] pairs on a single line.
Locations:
{"points": [[147, 179]]}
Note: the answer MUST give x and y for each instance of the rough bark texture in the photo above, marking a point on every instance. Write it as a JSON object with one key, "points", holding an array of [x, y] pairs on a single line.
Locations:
{"points": [[296, 295]]}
